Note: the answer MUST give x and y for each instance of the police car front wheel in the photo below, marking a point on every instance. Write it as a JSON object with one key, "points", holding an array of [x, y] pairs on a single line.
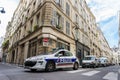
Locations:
{"points": [[50, 66]]}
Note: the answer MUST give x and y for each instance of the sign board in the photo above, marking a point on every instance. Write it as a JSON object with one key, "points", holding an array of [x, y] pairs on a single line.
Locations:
{"points": [[45, 44], [45, 39]]}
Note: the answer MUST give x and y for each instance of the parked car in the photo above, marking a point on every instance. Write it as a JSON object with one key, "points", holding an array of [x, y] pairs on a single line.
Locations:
{"points": [[103, 61], [90, 61], [60, 58]]}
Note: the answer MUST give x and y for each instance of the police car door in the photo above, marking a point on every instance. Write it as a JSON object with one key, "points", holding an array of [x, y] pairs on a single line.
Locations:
{"points": [[64, 59]]}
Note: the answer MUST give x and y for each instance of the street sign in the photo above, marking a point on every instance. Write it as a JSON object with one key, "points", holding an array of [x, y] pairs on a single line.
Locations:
{"points": [[45, 44], [45, 39]]}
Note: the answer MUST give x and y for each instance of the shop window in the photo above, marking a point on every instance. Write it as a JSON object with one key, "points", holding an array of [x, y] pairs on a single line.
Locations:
{"points": [[63, 45], [32, 48]]}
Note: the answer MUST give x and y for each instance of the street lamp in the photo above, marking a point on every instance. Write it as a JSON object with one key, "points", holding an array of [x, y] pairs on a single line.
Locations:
{"points": [[2, 10]]}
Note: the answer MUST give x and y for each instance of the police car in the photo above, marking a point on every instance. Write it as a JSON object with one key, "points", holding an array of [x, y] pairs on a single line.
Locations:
{"points": [[61, 58]]}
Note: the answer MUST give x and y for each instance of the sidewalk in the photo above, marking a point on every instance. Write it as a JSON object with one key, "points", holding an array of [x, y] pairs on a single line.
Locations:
{"points": [[15, 65]]}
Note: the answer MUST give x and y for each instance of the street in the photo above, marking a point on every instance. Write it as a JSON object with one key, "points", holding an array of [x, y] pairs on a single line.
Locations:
{"points": [[12, 72]]}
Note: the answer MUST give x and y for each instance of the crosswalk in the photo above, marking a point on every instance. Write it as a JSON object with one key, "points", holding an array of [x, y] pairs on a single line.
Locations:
{"points": [[76, 71], [111, 76], [92, 72]]}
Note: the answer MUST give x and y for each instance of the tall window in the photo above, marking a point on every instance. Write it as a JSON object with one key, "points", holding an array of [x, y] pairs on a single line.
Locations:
{"points": [[37, 18], [34, 4], [76, 4], [31, 24], [76, 18], [32, 48], [58, 19], [58, 2], [67, 28], [67, 9]]}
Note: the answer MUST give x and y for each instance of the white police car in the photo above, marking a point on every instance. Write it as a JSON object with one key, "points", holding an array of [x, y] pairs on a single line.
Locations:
{"points": [[49, 62]]}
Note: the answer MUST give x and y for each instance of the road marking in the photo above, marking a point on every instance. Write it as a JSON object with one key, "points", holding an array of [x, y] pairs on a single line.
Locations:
{"points": [[90, 73], [76, 71], [1, 74], [119, 71], [111, 76]]}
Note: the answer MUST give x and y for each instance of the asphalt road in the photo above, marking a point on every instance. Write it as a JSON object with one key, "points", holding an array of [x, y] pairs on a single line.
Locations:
{"points": [[12, 72]]}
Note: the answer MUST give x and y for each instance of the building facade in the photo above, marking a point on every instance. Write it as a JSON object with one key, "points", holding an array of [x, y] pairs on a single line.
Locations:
{"points": [[39, 26]]}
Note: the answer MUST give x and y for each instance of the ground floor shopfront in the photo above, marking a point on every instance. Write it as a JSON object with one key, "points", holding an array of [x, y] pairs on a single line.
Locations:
{"points": [[43, 41], [38, 43], [37, 46], [81, 51]]}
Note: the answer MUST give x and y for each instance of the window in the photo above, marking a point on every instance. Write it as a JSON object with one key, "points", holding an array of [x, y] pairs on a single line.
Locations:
{"points": [[58, 2], [34, 5], [76, 5], [63, 54], [76, 18], [67, 9], [28, 11], [62, 44], [67, 28], [58, 19], [37, 18], [68, 54], [31, 24], [32, 48]]}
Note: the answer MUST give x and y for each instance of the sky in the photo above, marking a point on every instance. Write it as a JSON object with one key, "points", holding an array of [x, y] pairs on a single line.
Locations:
{"points": [[105, 11], [9, 6]]}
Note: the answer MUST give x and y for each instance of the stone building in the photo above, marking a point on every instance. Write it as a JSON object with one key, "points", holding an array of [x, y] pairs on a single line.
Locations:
{"points": [[39, 26]]}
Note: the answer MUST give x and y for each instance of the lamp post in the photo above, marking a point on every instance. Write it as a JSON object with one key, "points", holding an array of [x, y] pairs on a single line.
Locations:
{"points": [[3, 55], [2, 10]]}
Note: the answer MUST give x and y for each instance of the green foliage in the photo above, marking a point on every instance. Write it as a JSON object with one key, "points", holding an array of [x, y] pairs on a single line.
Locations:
{"points": [[5, 44], [36, 27]]}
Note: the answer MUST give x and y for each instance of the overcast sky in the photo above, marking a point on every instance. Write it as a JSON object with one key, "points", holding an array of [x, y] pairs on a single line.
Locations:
{"points": [[105, 11]]}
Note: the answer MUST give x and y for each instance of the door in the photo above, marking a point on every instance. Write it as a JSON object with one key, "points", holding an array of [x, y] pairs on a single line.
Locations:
{"points": [[80, 56], [13, 56], [65, 59]]}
